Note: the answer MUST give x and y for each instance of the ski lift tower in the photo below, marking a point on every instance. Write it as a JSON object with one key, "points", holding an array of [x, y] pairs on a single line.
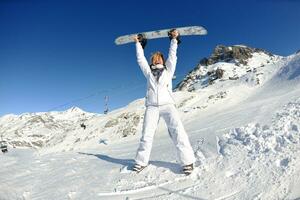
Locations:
{"points": [[106, 98]]}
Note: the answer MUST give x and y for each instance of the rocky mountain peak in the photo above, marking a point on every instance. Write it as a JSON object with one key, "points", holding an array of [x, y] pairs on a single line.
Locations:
{"points": [[75, 109], [227, 63], [237, 53]]}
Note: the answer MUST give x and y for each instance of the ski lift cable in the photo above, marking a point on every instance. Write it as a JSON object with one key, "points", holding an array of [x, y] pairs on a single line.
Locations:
{"points": [[111, 90], [115, 90]]}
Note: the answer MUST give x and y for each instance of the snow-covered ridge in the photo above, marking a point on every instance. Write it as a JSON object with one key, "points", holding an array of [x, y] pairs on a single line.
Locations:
{"points": [[291, 69], [40, 129], [230, 63]]}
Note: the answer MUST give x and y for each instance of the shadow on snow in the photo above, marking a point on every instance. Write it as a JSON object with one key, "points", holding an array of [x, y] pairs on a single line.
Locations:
{"points": [[175, 168]]}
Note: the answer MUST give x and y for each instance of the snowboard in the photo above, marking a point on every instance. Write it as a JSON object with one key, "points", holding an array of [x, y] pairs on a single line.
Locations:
{"points": [[183, 31]]}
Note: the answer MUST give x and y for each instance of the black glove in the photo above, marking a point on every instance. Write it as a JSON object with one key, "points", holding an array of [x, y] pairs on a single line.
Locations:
{"points": [[177, 38], [142, 40]]}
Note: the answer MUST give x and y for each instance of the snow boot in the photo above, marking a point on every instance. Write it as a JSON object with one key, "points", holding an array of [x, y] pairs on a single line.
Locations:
{"points": [[138, 168], [188, 169]]}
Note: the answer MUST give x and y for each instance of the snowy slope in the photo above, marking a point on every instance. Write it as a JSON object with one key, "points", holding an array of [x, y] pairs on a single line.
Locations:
{"points": [[245, 133]]}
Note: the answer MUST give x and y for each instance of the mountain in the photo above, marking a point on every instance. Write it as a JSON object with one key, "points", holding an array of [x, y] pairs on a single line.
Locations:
{"points": [[231, 63], [41, 129], [240, 108]]}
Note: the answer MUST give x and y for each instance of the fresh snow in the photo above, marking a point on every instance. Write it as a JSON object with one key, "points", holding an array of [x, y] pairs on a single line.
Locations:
{"points": [[245, 136]]}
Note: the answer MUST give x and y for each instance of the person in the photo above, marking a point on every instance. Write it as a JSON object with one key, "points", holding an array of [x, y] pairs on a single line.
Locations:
{"points": [[160, 103]]}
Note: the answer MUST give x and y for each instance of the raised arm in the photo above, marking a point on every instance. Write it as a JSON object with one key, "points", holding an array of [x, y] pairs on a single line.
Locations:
{"points": [[142, 61], [172, 57]]}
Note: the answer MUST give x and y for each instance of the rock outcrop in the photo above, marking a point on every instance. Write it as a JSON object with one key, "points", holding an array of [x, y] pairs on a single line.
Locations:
{"points": [[208, 69]]}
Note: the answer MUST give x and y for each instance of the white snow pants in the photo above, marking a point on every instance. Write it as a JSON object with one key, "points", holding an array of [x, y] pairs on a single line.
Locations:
{"points": [[176, 131]]}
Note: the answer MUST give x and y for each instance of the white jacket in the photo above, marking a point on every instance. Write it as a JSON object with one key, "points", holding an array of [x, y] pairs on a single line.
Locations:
{"points": [[158, 92]]}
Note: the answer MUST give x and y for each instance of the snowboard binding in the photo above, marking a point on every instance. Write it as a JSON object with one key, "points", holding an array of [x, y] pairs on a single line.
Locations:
{"points": [[177, 38], [142, 39]]}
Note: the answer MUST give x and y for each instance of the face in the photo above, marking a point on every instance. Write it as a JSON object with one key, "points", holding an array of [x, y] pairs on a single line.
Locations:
{"points": [[157, 60]]}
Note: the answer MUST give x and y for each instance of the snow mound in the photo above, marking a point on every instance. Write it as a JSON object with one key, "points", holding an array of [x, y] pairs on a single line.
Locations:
{"points": [[264, 159], [258, 141]]}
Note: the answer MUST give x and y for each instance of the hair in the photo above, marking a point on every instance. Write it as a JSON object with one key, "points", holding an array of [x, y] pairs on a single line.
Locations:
{"points": [[157, 54]]}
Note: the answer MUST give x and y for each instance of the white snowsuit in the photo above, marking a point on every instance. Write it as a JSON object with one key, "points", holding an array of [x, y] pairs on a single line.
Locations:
{"points": [[160, 103]]}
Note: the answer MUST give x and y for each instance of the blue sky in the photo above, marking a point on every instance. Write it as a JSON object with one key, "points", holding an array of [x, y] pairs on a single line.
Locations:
{"points": [[57, 54]]}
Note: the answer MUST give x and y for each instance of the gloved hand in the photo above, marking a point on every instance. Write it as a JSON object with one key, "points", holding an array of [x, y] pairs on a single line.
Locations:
{"points": [[173, 33], [141, 39]]}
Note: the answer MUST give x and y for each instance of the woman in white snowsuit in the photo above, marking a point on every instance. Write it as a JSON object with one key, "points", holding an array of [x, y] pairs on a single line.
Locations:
{"points": [[160, 103]]}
